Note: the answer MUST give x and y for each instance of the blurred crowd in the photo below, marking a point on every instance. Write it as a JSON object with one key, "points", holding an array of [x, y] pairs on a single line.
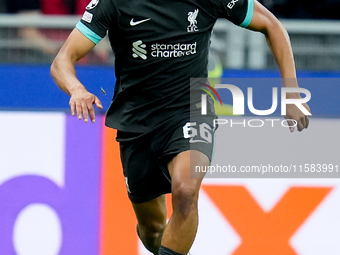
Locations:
{"points": [[48, 41], [43, 44], [48, 7], [296, 9], [304, 9]]}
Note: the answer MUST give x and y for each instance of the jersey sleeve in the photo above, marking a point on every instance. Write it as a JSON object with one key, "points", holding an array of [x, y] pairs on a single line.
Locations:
{"points": [[97, 19], [239, 12]]}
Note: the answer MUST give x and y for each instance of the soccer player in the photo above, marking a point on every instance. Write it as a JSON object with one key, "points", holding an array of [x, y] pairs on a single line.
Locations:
{"points": [[159, 45]]}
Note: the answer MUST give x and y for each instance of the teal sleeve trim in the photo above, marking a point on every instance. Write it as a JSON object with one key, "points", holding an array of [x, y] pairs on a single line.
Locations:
{"points": [[249, 15], [88, 33]]}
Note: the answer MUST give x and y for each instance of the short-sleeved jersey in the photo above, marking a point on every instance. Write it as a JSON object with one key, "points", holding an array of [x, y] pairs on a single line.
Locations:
{"points": [[158, 45]]}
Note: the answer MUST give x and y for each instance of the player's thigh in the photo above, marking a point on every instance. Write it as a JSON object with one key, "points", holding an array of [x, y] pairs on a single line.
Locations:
{"points": [[183, 165], [151, 214]]}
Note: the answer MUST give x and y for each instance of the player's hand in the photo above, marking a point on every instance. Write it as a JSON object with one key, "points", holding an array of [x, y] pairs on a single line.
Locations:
{"points": [[82, 102], [293, 112]]}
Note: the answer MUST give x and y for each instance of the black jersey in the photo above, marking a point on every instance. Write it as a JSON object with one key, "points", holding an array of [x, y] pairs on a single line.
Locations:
{"points": [[158, 45]]}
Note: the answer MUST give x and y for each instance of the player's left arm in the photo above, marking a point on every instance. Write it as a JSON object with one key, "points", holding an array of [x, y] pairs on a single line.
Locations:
{"points": [[278, 40]]}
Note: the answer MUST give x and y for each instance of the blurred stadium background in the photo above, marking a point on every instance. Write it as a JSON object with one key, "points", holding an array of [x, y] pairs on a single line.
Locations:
{"points": [[61, 184]]}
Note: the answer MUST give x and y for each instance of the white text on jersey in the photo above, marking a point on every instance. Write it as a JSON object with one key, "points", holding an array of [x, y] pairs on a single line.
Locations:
{"points": [[231, 4]]}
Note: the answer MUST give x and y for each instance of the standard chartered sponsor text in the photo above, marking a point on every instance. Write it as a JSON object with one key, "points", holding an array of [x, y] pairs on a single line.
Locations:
{"points": [[176, 50], [268, 168]]}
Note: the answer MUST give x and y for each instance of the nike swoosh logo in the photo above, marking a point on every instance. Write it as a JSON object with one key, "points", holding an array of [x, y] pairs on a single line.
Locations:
{"points": [[135, 23], [197, 141]]}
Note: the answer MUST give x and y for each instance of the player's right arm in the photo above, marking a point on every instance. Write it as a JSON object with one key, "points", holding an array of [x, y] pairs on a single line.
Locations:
{"points": [[63, 72], [252, 15], [278, 40]]}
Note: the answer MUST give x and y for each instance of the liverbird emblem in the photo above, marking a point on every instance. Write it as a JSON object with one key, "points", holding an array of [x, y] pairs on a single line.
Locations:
{"points": [[193, 22]]}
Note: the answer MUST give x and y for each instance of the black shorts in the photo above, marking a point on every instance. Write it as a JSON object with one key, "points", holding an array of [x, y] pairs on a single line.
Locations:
{"points": [[145, 156]]}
